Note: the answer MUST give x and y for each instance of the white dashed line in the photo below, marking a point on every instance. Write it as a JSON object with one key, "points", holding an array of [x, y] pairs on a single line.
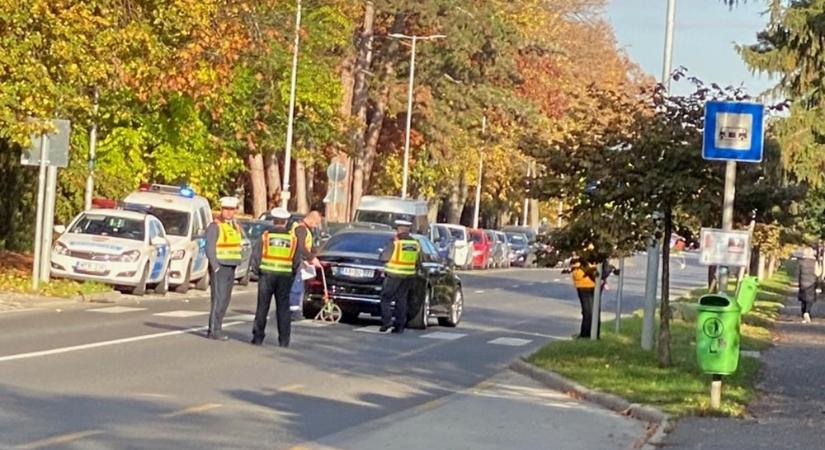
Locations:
{"points": [[480, 291], [516, 286], [244, 317], [116, 309], [181, 313], [510, 342], [368, 329], [311, 323], [444, 335]]}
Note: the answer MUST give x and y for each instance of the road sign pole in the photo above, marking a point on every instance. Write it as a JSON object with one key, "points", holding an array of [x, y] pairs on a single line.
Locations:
{"points": [[38, 226], [651, 289], [48, 223], [727, 219], [619, 296], [596, 318], [90, 178]]}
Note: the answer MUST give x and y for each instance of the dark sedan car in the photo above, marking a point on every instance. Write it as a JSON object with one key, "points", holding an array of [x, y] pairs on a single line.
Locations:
{"points": [[355, 276]]}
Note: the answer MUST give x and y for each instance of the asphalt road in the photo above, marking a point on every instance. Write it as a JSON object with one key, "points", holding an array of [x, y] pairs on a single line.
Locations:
{"points": [[139, 374]]}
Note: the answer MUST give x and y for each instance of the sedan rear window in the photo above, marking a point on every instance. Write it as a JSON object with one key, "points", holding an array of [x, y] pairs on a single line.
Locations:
{"points": [[476, 237], [458, 234], [369, 243], [112, 226]]}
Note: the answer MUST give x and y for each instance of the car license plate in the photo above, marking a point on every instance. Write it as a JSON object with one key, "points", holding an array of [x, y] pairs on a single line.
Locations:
{"points": [[353, 272], [88, 267]]}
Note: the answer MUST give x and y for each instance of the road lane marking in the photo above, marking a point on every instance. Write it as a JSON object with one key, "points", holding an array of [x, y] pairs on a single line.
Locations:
{"points": [[480, 291], [181, 313], [510, 342], [444, 335], [61, 439], [368, 329], [74, 348], [192, 410], [291, 388], [516, 286], [116, 309], [311, 323], [244, 317]]}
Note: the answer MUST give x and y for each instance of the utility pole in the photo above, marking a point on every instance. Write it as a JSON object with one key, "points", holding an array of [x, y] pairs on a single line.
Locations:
{"points": [[480, 173], [90, 178], [652, 276], [413, 39], [285, 193]]}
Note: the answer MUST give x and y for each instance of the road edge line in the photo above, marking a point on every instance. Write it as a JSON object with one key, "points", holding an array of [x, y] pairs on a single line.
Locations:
{"points": [[659, 423]]}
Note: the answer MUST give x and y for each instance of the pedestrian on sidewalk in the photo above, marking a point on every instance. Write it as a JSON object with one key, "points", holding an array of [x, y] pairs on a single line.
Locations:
{"points": [[272, 260], [402, 256], [223, 250], [584, 280], [808, 281], [305, 256]]}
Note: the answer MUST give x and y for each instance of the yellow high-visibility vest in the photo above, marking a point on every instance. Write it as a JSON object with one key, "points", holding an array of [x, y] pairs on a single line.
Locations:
{"points": [[403, 259], [278, 251], [228, 247], [308, 241]]}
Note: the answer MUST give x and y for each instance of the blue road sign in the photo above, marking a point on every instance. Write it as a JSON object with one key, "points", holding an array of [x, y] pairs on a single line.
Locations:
{"points": [[734, 131]]}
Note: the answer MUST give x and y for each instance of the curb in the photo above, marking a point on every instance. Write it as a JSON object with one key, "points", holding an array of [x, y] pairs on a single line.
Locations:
{"points": [[659, 421]]}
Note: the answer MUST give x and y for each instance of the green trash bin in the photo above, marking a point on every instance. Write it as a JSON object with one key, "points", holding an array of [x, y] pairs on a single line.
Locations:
{"points": [[746, 295], [717, 334]]}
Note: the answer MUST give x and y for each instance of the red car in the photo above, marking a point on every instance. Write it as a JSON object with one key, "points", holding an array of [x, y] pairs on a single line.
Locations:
{"points": [[481, 249]]}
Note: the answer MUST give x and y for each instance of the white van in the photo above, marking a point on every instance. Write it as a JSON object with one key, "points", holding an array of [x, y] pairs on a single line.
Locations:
{"points": [[185, 217], [461, 237], [387, 210]]}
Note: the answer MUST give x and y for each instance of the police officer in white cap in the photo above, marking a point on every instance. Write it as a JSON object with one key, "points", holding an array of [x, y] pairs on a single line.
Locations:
{"points": [[402, 258], [272, 259], [223, 250]]}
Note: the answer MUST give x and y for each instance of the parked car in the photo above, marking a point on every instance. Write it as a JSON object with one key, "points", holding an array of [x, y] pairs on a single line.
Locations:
{"points": [[443, 240], [521, 253], [482, 248], [527, 231], [185, 217], [126, 249], [355, 276], [461, 243], [387, 210], [500, 253]]}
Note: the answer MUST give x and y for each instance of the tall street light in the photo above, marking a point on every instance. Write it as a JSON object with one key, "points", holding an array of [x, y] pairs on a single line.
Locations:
{"points": [[413, 39], [480, 173], [288, 153]]}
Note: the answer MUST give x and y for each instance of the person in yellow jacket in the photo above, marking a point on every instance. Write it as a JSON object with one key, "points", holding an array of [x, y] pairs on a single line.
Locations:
{"points": [[584, 280], [272, 260], [223, 250], [402, 256]]}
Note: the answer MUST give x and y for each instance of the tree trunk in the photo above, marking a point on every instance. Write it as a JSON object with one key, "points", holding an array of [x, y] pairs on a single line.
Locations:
{"points": [[302, 206], [360, 101], [664, 307], [760, 266], [257, 180], [273, 179], [458, 198], [534, 214]]}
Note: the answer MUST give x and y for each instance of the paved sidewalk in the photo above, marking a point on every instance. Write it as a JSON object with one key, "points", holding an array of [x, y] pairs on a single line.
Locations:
{"points": [[791, 411], [508, 411]]}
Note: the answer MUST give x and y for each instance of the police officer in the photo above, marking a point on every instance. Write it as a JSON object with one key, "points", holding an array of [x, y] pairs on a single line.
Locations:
{"points": [[305, 255], [402, 260], [223, 250], [272, 260]]}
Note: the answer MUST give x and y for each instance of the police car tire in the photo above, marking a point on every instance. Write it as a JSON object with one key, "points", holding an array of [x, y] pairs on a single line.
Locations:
{"points": [[183, 287], [163, 286], [140, 288], [203, 282], [244, 280]]}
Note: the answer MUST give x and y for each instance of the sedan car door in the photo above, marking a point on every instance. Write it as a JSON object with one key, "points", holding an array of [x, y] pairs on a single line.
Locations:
{"points": [[158, 250], [435, 272]]}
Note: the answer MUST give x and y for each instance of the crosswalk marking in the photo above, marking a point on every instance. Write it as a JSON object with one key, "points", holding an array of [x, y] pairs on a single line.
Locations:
{"points": [[444, 335], [116, 309], [480, 291], [368, 329], [243, 317], [181, 313], [311, 323], [510, 342]]}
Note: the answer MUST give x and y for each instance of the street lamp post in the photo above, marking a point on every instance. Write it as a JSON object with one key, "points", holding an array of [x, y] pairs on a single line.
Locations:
{"points": [[480, 174], [288, 152], [413, 39]]}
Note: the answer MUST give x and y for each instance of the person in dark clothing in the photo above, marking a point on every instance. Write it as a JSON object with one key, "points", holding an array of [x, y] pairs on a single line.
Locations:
{"points": [[402, 256], [584, 280], [305, 255], [223, 250], [808, 282], [273, 261]]}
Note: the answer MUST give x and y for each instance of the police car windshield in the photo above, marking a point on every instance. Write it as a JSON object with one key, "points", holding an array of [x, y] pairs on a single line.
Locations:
{"points": [[176, 223], [368, 243], [111, 226]]}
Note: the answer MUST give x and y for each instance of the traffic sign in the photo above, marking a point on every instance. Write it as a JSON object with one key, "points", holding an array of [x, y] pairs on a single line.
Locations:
{"points": [[57, 146], [734, 131], [336, 172]]}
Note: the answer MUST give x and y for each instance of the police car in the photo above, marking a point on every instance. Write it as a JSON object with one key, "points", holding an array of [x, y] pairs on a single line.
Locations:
{"points": [[118, 247], [185, 216]]}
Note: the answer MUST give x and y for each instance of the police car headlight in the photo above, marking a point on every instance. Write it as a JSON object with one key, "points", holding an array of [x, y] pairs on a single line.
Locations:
{"points": [[178, 254], [61, 249], [130, 256]]}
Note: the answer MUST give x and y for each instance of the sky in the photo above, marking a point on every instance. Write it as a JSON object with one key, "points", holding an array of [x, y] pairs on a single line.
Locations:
{"points": [[704, 38]]}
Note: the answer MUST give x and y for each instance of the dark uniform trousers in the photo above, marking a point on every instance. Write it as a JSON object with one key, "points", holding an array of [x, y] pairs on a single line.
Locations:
{"points": [[270, 284], [221, 283], [586, 300], [396, 289]]}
